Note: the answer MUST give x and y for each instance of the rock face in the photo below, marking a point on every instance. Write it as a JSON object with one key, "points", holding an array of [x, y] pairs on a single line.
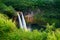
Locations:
{"points": [[29, 18]]}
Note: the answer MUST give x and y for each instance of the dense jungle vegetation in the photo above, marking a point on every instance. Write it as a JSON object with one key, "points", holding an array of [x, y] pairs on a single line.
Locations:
{"points": [[49, 17]]}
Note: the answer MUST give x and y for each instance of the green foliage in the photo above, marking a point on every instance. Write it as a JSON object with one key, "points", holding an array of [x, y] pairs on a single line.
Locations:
{"points": [[8, 10], [32, 4], [51, 14], [48, 16], [50, 27], [3, 16], [57, 34], [4, 22], [51, 36], [6, 26], [8, 31]]}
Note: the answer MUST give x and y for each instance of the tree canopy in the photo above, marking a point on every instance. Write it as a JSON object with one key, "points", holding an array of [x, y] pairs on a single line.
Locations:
{"points": [[31, 4]]}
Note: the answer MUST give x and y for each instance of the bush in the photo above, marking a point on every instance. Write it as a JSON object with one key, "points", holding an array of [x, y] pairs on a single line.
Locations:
{"points": [[8, 10], [6, 26], [58, 34], [8, 31]]}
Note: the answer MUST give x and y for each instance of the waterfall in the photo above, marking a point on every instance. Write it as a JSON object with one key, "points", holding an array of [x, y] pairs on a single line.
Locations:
{"points": [[23, 21], [20, 22]]}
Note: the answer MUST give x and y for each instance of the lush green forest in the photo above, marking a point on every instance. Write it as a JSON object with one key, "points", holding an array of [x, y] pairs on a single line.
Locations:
{"points": [[46, 24]]}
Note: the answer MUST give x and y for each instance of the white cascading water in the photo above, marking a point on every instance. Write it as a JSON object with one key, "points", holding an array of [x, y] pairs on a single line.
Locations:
{"points": [[20, 22], [24, 23]]}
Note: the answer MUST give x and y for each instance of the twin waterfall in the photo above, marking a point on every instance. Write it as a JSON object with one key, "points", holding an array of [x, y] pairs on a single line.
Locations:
{"points": [[22, 22]]}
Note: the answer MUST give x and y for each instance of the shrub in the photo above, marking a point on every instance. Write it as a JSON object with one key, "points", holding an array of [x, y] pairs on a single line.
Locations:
{"points": [[57, 33], [6, 26], [8, 31], [8, 10]]}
